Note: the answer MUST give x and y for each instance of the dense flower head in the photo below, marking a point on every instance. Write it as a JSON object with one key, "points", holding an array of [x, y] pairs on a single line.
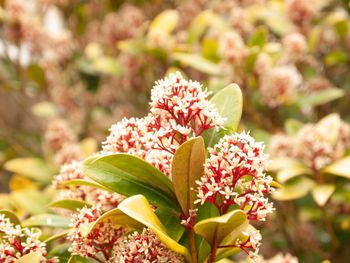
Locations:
{"points": [[231, 47], [250, 244], [58, 133], [295, 45], [144, 247], [312, 144], [234, 174], [280, 85], [71, 171], [16, 242], [301, 12], [180, 109], [99, 242]]}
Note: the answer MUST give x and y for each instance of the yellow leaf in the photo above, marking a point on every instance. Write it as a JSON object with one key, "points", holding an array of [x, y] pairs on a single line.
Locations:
{"points": [[165, 21], [322, 193], [340, 168]]}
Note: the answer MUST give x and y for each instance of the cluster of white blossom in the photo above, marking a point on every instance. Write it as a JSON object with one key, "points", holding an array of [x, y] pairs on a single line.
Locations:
{"points": [[16, 242], [144, 247]]}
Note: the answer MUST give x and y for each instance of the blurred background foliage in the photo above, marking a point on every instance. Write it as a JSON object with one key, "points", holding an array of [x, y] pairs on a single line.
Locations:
{"points": [[71, 68]]}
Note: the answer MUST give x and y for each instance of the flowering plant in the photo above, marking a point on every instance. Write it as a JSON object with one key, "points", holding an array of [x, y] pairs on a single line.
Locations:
{"points": [[179, 185]]}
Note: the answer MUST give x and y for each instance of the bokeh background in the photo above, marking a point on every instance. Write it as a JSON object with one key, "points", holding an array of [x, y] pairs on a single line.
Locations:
{"points": [[69, 69]]}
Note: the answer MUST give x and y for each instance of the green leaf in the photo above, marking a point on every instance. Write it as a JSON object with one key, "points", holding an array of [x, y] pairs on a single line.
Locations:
{"points": [[199, 24], [80, 182], [335, 58], [60, 251], [198, 62], [34, 257], [216, 229], [69, 204], [321, 97], [171, 222], [11, 216], [229, 103], [295, 189], [187, 167], [47, 220], [339, 168], [56, 236], [259, 37], [34, 168], [322, 193], [166, 21], [79, 259], [130, 175], [37, 74]]}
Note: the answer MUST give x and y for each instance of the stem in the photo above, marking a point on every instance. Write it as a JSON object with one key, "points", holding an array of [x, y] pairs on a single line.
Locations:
{"points": [[213, 249], [193, 246]]}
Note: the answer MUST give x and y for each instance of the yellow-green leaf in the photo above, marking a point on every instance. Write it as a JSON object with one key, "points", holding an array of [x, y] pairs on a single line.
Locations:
{"points": [[290, 172], [11, 216], [321, 97], [47, 220], [340, 168], [300, 187], [165, 21], [69, 204], [198, 62], [216, 229], [229, 103], [33, 168], [322, 193], [34, 257], [187, 167]]}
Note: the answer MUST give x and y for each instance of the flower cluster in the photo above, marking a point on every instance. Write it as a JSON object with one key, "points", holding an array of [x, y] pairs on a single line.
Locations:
{"points": [[234, 175], [144, 247], [99, 242], [280, 85], [16, 242], [280, 258], [101, 198], [313, 145], [180, 109]]}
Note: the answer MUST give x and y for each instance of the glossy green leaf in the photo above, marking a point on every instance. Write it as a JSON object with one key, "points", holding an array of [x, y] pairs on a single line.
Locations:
{"points": [[34, 257], [69, 204], [340, 168], [216, 229], [166, 21], [47, 220], [229, 103], [294, 190], [33, 168], [187, 167], [321, 97], [130, 175], [322, 193], [198, 62], [171, 222], [11, 216]]}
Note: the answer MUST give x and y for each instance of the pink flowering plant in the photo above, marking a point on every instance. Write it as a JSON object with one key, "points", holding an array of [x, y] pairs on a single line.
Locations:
{"points": [[179, 185]]}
